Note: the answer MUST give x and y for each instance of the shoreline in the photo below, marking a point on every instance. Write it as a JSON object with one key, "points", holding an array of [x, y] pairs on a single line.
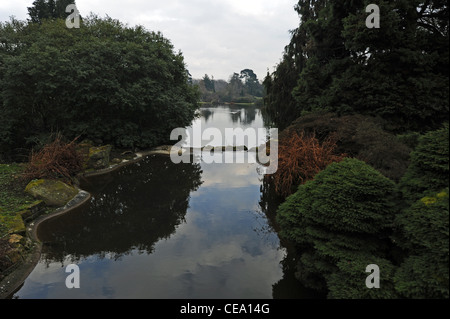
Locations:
{"points": [[16, 278]]}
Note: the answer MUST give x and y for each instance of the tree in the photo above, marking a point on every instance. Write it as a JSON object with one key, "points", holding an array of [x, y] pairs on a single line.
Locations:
{"points": [[48, 9], [402, 67], [308, 60], [209, 83], [251, 83], [123, 85], [235, 85], [335, 63]]}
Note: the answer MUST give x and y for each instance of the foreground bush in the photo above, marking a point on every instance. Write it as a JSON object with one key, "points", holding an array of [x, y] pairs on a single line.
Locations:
{"points": [[344, 213]]}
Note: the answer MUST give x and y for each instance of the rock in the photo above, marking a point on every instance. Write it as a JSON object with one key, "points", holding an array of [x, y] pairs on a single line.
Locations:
{"points": [[116, 160], [83, 148], [99, 157], [52, 192], [15, 240]]}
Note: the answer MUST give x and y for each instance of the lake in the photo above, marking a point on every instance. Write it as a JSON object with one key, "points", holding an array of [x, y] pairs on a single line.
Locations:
{"points": [[155, 229]]}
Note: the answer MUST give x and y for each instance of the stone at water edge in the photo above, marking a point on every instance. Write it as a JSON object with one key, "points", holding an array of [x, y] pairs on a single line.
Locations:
{"points": [[52, 192], [99, 157]]}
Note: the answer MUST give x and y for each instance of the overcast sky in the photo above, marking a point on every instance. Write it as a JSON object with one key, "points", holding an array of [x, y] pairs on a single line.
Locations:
{"points": [[216, 37]]}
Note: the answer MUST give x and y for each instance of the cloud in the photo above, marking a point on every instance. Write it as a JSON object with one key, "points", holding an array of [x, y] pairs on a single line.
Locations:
{"points": [[216, 37]]}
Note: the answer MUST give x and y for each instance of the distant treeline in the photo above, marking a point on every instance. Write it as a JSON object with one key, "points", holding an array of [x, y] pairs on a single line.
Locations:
{"points": [[243, 87]]}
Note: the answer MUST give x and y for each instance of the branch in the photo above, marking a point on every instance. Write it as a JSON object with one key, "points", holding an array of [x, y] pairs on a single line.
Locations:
{"points": [[430, 27]]}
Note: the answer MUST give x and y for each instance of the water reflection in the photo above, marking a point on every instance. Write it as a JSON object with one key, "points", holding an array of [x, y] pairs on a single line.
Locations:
{"points": [[131, 209], [206, 114], [244, 115], [145, 245], [160, 230], [222, 117]]}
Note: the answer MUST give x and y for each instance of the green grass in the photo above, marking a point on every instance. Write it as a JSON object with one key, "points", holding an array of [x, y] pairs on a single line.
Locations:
{"points": [[12, 197]]}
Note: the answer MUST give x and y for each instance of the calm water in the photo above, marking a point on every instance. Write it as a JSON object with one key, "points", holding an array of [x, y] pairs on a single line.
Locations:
{"points": [[155, 229]]}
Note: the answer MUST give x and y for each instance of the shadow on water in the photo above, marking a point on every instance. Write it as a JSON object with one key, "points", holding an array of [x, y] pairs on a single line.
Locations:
{"points": [[131, 209]]}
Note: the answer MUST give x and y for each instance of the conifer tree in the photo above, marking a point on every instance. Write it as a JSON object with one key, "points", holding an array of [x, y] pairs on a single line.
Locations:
{"points": [[335, 63]]}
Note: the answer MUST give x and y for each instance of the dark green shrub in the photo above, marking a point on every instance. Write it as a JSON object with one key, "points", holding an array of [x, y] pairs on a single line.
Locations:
{"points": [[410, 139], [424, 234], [345, 212], [429, 168], [349, 281]]}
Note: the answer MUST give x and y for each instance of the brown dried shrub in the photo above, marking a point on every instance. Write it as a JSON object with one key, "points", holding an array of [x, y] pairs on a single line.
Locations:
{"points": [[58, 159], [300, 158]]}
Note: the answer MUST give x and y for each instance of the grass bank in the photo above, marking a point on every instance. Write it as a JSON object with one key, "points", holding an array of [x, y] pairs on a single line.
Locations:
{"points": [[13, 199]]}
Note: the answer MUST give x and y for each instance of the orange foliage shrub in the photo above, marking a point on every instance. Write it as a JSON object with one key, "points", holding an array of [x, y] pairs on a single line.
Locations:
{"points": [[300, 158], [55, 160]]}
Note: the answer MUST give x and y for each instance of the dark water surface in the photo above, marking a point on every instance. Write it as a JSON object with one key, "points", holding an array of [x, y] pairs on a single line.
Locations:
{"points": [[155, 229]]}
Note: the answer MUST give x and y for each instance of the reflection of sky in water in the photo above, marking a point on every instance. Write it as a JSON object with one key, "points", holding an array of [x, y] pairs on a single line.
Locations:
{"points": [[218, 252], [221, 117]]}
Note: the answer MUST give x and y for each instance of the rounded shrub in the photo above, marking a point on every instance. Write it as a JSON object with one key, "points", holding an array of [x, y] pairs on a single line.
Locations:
{"points": [[346, 212]]}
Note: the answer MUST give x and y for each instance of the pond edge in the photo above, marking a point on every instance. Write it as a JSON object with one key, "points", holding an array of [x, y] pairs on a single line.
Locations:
{"points": [[14, 280]]}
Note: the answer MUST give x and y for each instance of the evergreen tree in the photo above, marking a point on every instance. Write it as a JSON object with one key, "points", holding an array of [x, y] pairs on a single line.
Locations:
{"points": [[399, 71], [335, 63], [251, 83], [209, 83], [308, 62]]}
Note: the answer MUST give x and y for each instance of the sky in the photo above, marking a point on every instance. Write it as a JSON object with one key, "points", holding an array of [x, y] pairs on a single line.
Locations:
{"points": [[215, 37]]}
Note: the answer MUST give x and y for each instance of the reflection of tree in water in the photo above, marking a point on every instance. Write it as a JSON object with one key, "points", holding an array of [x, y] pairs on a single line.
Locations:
{"points": [[235, 116], [206, 113], [249, 114], [268, 122], [141, 204]]}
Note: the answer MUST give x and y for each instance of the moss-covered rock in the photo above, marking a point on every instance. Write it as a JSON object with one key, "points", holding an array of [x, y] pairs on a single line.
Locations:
{"points": [[99, 157], [52, 192]]}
